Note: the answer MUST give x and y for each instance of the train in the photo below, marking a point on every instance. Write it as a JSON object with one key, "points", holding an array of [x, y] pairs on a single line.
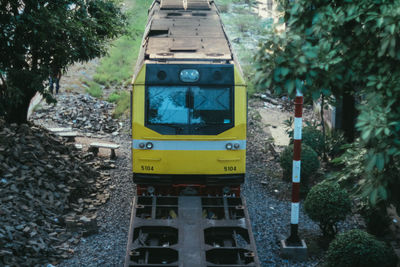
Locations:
{"points": [[189, 123]]}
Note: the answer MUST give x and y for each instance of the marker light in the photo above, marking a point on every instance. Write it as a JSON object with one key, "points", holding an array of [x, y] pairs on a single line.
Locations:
{"points": [[228, 146], [149, 145], [161, 75], [142, 145], [236, 145], [189, 75]]}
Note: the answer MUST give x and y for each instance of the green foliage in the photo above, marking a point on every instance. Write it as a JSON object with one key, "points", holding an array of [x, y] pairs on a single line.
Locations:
{"points": [[123, 104], [244, 28], [117, 67], [113, 97], [380, 130], [309, 163], [94, 89], [376, 218], [327, 204], [247, 23], [331, 48], [251, 89], [372, 185], [223, 7], [310, 136], [41, 37], [334, 143], [357, 248]]}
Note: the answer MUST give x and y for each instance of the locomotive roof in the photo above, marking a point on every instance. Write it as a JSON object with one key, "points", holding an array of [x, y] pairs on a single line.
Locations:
{"points": [[185, 30]]}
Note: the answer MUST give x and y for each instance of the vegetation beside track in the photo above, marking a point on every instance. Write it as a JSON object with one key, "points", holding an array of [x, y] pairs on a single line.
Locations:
{"points": [[115, 70], [244, 29]]}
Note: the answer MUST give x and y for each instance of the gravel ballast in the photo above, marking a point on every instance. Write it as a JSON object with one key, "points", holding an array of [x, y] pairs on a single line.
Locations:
{"points": [[108, 247], [266, 195]]}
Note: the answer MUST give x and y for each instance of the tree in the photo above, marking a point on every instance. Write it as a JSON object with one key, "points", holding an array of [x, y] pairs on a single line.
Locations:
{"points": [[347, 49], [38, 36]]}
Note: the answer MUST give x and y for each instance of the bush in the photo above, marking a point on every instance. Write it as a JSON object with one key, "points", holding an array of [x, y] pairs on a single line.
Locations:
{"points": [[334, 142], [310, 135], [309, 163], [357, 248], [327, 204], [376, 218], [313, 137]]}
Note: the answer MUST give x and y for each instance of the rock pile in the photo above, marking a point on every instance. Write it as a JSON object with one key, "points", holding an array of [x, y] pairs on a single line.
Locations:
{"points": [[82, 112], [48, 196]]}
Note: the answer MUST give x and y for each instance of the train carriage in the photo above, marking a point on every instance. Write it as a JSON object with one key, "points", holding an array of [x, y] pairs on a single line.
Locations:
{"points": [[189, 144], [188, 103]]}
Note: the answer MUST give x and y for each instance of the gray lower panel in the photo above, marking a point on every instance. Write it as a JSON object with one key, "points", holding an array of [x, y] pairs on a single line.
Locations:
{"points": [[190, 231]]}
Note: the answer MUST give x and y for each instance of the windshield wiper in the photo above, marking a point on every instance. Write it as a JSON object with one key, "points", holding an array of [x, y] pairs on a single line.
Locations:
{"points": [[177, 128], [205, 125]]}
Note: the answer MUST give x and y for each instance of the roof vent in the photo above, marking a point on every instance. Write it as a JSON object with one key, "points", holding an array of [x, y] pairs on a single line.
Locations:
{"points": [[199, 14], [174, 14], [171, 4], [198, 5]]}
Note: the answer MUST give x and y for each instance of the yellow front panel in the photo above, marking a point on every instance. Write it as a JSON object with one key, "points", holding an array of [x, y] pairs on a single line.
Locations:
{"points": [[188, 162], [184, 161]]}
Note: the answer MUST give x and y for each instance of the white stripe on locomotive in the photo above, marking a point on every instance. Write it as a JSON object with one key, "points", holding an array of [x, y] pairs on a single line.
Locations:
{"points": [[189, 145]]}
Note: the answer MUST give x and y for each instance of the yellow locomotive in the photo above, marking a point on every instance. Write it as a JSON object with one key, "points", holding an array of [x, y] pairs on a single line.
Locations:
{"points": [[189, 103]]}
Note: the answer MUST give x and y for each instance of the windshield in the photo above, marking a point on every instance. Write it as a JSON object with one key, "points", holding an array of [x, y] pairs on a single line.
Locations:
{"points": [[189, 110]]}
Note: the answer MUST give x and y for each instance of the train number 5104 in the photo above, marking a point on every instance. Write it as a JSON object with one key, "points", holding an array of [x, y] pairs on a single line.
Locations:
{"points": [[230, 168], [147, 168]]}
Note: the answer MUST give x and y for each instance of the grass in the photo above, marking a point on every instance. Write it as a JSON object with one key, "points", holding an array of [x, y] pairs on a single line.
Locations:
{"points": [[123, 104], [114, 97], [93, 88], [117, 67]]}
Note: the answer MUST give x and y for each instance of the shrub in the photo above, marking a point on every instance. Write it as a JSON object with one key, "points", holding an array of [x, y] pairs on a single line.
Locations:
{"points": [[357, 248], [309, 163], [376, 218], [334, 142], [327, 204], [313, 137], [310, 135]]}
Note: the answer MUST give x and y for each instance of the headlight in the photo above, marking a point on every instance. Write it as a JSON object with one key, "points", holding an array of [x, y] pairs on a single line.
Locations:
{"points": [[228, 146], [189, 75], [149, 145]]}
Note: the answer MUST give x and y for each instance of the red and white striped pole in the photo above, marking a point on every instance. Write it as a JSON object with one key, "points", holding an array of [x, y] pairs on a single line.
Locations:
{"points": [[294, 221]]}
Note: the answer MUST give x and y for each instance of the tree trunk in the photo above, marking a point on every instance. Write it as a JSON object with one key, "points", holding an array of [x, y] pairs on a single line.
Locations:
{"points": [[348, 116], [18, 113]]}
